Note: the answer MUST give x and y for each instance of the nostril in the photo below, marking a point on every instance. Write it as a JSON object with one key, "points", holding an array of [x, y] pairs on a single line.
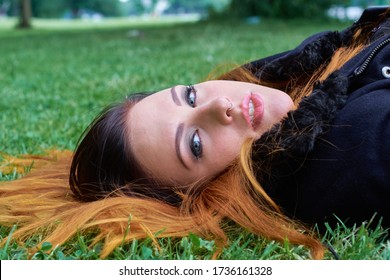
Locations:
{"points": [[228, 111]]}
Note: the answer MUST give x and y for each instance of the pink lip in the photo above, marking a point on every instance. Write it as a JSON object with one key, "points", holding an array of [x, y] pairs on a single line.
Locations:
{"points": [[258, 105]]}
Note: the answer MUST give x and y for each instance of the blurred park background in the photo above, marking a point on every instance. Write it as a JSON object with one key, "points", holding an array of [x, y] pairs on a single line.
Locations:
{"points": [[99, 9], [63, 61]]}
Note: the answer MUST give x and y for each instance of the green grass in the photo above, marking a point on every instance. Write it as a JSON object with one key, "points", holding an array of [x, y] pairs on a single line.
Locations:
{"points": [[56, 77]]}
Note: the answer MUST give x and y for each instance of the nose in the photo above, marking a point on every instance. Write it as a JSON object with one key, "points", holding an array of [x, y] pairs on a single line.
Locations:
{"points": [[216, 110]]}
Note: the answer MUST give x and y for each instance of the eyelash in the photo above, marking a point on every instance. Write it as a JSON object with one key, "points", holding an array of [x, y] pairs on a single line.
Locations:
{"points": [[196, 145], [190, 93]]}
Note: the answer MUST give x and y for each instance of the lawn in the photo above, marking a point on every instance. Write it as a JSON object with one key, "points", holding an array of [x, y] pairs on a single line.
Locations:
{"points": [[56, 77]]}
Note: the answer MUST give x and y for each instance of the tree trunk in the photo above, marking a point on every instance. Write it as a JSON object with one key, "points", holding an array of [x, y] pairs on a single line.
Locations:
{"points": [[25, 14]]}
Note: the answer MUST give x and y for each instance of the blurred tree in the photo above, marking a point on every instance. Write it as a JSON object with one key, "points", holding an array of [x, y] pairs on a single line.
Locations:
{"points": [[281, 8], [25, 14], [171, 6], [75, 6], [137, 7], [49, 9], [58, 8], [105, 7], [194, 6], [4, 7]]}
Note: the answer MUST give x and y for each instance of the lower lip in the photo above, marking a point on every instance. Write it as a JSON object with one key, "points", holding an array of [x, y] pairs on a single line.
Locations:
{"points": [[258, 105]]}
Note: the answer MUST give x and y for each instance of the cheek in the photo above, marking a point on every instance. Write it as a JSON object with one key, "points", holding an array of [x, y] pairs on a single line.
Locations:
{"points": [[220, 161], [226, 144], [229, 148]]}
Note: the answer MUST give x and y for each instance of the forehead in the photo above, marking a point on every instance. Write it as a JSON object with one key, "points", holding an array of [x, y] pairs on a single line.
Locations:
{"points": [[151, 125]]}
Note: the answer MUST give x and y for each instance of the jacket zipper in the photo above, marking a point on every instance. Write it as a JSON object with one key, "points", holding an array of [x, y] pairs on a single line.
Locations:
{"points": [[363, 67]]}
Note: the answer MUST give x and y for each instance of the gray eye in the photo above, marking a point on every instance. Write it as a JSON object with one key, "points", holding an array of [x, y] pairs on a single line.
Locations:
{"points": [[196, 145], [191, 95]]}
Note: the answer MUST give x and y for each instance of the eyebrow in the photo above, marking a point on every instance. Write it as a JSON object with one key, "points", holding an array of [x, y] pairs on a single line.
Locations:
{"points": [[179, 134], [175, 98]]}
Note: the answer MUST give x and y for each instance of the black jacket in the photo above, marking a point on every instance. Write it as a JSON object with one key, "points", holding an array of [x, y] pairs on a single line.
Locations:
{"points": [[342, 167]]}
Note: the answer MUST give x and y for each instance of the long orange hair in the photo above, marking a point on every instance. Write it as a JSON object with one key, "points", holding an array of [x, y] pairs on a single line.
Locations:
{"points": [[41, 202]]}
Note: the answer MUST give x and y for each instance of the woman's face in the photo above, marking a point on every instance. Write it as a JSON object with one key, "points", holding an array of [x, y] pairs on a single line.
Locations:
{"points": [[188, 133]]}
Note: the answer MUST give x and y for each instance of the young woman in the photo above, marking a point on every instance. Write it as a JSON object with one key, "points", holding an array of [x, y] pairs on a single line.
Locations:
{"points": [[296, 137]]}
